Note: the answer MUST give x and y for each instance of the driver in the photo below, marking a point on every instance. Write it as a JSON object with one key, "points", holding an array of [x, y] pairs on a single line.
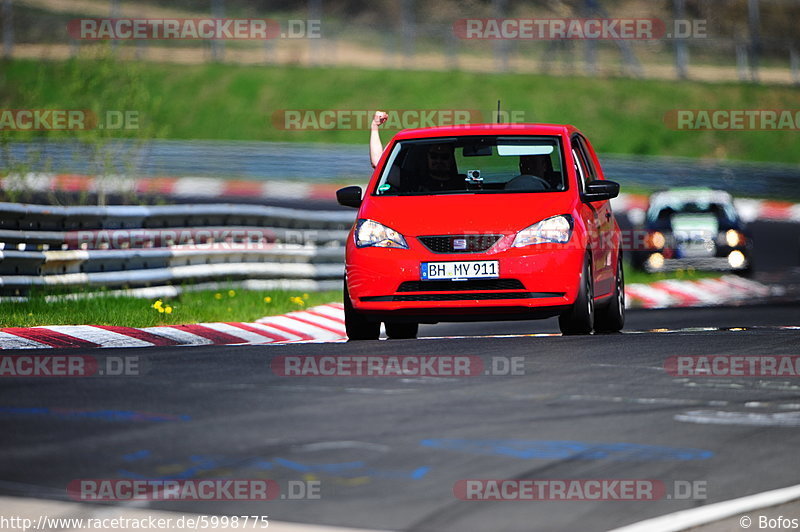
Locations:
{"points": [[442, 174], [440, 160]]}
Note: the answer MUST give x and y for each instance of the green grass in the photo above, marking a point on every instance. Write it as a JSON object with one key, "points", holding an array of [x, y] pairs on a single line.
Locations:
{"points": [[234, 102], [204, 306], [189, 307]]}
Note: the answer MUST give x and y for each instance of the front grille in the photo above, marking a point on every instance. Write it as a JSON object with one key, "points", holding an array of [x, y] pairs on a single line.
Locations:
{"points": [[464, 296], [459, 243], [460, 286]]}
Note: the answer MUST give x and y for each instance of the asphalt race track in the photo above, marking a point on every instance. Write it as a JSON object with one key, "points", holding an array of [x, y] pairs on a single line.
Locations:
{"points": [[387, 451]]}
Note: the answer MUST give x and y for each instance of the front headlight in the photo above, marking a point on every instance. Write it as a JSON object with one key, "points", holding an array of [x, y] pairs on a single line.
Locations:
{"points": [[557, 229], [734, 238], [370, 233], [657, 240]]}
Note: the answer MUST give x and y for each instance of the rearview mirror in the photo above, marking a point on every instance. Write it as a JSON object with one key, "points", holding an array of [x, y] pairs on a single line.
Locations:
{"points": [[349, 196], [474, 150], [600, 190]]}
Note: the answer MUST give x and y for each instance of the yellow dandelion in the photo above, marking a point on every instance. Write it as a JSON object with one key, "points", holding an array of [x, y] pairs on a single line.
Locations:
{"points": [[306, 296], [297, 300], [267, 299], [161, 310], [168, 310], [157, 305], [231, 293], [217, 296]]}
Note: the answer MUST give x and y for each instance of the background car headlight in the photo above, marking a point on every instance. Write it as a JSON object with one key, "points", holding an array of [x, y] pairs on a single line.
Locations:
{"points": [[734, 238], [657, 240], [370, 233], [557, 229]]}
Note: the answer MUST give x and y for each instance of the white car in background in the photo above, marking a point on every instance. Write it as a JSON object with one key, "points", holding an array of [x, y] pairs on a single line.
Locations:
{"points": [[694, 228]]}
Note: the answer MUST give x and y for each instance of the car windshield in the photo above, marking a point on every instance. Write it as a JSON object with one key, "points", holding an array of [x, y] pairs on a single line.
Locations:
{"points": [[724, 212], [473, 164]]}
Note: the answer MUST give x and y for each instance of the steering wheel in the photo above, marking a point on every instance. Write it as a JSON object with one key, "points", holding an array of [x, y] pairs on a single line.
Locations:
{"points": [[528, 181]]}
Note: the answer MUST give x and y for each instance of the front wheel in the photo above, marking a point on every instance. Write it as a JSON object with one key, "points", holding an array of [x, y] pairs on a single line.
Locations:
{"points": [[612, 318], [580, 318], [401, 331], [357, 326]]}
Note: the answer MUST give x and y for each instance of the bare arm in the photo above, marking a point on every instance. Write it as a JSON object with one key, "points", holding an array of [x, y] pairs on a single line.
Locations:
{"points": [[375, 146]]}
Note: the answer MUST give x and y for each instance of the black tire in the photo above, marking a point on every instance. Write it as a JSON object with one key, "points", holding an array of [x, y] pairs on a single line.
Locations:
{"points": [[580, 318], [358, 327], [401, 331], [611, 318]]}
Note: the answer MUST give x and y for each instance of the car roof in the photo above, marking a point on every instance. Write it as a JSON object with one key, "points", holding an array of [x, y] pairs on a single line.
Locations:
{"points": [[487, 129]]}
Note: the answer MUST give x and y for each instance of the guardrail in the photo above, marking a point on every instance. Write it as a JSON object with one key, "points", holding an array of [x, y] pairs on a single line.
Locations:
{"points": [[134, 249]]}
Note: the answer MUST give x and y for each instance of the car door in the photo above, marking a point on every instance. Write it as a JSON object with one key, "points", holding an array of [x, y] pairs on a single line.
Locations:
{"points": [[602, 223], [588, 213], [609, 238]]}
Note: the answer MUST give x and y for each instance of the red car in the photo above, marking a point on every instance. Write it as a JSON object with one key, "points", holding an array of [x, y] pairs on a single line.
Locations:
{"points": [[484, 222]]}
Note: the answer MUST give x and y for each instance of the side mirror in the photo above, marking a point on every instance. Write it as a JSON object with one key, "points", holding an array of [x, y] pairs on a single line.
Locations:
{"points": [[600, 190], [349, 196]]}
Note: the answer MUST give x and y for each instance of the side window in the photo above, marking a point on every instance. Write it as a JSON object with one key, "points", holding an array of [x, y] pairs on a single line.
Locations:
{"points": [[580, 166], [587, 159]]}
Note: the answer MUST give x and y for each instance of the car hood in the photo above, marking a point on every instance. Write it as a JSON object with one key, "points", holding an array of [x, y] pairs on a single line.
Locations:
{"points": [[465, 213]]}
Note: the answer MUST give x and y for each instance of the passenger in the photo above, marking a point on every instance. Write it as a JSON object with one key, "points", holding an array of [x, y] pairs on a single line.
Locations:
{"points": [[375, 146]]}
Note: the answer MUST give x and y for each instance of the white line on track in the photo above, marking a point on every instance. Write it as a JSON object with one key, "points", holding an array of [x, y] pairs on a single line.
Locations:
{"points": [[710, 513]]}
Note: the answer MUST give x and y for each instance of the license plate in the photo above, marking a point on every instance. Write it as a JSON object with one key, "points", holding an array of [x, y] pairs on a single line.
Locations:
{"points": [[475, 269]]}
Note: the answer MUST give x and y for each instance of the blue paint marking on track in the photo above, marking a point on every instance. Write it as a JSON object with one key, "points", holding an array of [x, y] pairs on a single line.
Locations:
{"points": [[103, 415], [575, 450], [311, 468], [138, 455], [207, 464]]}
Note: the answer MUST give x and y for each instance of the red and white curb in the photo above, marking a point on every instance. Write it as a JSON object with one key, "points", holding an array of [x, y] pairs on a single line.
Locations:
{"points": [[210, 187], [726, 290], [324, 323]]}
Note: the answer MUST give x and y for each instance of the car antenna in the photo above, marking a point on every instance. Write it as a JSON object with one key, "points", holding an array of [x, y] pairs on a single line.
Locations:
{"points": [[498, 111]]}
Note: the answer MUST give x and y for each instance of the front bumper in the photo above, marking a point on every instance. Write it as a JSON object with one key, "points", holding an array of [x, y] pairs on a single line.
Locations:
{"points": [[535, 281], [720, 264]]}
